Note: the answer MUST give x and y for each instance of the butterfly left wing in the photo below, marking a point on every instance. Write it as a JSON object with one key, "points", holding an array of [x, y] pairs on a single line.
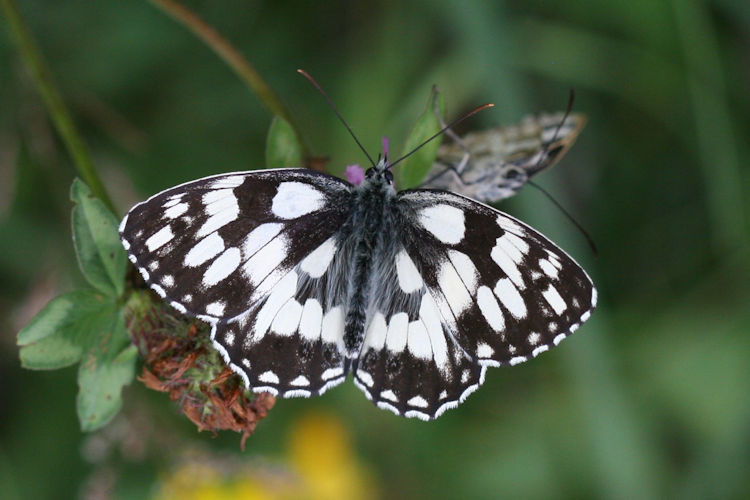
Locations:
{"points": [[255, 255], [464, 287]]}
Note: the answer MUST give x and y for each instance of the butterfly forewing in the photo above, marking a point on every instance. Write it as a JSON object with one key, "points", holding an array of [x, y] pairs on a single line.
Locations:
{"points": [[250, 253]]}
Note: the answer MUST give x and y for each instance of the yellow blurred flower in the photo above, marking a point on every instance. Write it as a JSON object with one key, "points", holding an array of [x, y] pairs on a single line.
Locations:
{"points": [[320, 450], [320, 463]]}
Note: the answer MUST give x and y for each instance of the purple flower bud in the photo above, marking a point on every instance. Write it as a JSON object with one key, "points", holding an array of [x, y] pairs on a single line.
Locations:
{"points": [[355, 174]]}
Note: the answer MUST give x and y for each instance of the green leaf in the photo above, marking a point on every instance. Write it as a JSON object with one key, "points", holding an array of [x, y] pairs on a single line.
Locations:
{"points": [[65, 329], [100, 254], [412, 171], [282, 147], [104, 370]]}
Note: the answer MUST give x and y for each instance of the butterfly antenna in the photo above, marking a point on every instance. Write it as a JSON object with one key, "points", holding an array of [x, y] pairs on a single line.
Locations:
{"points": [[589, 240], [571, 98], [443, 130], [333, 107]]}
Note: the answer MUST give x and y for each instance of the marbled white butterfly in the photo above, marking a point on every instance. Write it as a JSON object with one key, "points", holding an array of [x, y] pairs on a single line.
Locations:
{"points": [[306, 279], [494, 164]]}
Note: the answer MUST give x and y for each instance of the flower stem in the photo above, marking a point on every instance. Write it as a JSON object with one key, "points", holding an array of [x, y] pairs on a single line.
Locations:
{"points": [[233, 58], [56, 108]]}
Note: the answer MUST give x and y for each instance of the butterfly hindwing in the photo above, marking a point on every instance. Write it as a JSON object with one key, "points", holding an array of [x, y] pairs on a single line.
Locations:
{"points": [[408, 362], [253, 253]]}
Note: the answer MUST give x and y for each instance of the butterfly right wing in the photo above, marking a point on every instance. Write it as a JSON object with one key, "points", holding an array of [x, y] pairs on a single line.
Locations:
{"points": [[501, 160], [461, 288], [253, 254]]}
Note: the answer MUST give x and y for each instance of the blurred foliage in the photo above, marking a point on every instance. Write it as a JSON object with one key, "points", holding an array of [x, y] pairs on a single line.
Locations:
{"points": [[650, 398]]}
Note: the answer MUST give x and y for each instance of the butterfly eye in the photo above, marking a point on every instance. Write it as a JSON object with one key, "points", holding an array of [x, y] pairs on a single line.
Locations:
{"points": [[513, 173], [389, 176]]}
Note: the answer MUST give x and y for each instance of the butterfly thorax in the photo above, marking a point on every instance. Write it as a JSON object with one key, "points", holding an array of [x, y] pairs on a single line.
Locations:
{"points": [[371, 216]]}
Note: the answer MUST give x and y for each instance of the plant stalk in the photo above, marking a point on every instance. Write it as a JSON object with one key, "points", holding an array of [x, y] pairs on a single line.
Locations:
{"points": [[53, 101], [241, 66]]}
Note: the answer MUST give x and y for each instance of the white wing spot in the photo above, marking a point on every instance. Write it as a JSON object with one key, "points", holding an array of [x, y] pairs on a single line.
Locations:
{"points": [[317, 262], [268, 377], [552, 296], [548, 268], [172, 200], [558, 339], [419, 341], [167, 280], [312, 316], [295, 199], [209, 247], [506, 256], [430, 316], [376, 332], [283, 291], [395, 340], [287, 319], [176, 211], [153, 265], [216, 308], [484, 351], [465, 269], [222, 267], [265, 260], [160, 238], [229, 338], [534, 338], [222, 207], [187, 298], [511, 299], [445, 222], [536, 352], [453, 288], [231, 181], [259, 237], [490, 309], [365, 377], [510, 225], [389, 395], [178, 306], [418, 401], [516, 360], [332, 327], [300, 381], [330, 373], [409, 278]]}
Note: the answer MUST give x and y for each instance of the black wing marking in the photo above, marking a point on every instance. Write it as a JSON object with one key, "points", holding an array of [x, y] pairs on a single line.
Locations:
{"points": [[250, 252]]}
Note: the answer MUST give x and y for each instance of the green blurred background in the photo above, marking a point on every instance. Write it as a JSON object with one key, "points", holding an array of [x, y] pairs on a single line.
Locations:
{"points": [[651, 398]]}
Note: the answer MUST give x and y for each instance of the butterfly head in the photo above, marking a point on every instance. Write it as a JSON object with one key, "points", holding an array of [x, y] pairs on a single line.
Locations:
{"points": [[381, 172]]}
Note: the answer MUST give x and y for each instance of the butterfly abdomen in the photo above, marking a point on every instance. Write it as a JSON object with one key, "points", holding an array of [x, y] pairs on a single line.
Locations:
{"points": [[367, 223]]}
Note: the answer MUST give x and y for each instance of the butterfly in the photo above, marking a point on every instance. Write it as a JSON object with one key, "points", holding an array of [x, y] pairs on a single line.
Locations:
{"points": [[307, 279], [495, 164]]}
